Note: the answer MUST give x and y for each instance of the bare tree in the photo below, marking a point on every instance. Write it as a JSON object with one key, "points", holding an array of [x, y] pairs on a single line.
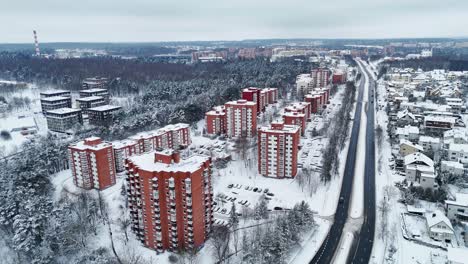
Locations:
{"points": [[220, 239]]}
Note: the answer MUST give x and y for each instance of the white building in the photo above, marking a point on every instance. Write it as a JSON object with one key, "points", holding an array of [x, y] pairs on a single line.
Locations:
{"points": [[429, 143], [458, 135], [410, 133], [439, 226], [419, 169], [458, 209], [458, 152], [452, 167]]}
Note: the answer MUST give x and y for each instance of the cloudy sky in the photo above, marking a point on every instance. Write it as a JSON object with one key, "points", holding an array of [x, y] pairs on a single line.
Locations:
{"points": [[165, 20]]}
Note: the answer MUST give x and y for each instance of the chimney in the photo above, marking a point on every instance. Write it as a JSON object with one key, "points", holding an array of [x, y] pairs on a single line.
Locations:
{"points": [[176, 156], [433, 214]]}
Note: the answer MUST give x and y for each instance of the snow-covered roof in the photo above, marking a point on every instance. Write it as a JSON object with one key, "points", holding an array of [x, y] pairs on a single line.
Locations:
{"points": [[436, 217], [404, 113], [241, 102], [217, 110], [456, 132], [458, 147], [429, 170], [90, 98], [446, 119], [284, 128], [452, 164], [418, 157], [93, 90], [429, 139], [55, 98], [50, 92], [82, 144], [104, 108], [411, 144], [65, 110], [123, 143], [461, 199], [147, 162], [457, 255], [407, 130]]}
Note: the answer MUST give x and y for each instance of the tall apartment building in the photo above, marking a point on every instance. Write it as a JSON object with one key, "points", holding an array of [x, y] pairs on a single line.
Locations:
{"points": [[63, 119], [278, 147], [169, 137], [320, 77], [89, 102], [216, 120], [55, 102], [102, 115], [124, 149], [296, 118], [241, 118], [53, 93], [300, 107], [315, 100], [92, 163], [262, 97], [170, 199]]}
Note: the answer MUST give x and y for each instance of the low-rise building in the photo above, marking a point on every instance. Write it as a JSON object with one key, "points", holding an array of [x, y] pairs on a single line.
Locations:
{"points": [[410, 133], [92, 164], [452, 167], [407, 147], [63, 119], [102, 115], [429, 143], [170, 199], [55, 102], [439, 122], [89, 102], [54, 93], [458, 152], [457, 135], [439, 226], [96, 92], [458, 209]]}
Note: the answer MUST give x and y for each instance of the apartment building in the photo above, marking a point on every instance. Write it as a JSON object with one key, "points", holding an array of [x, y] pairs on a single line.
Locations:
{"points": [[320, 77], [262, 97], [299, 107], [296, 118], [169, 137], [102, 115], [94, 83], [216, 121], [55, 102], [54, 93], [63, 119], [241, 118], [89, 102], [124, 149], [170, 199], [277, 150], [96, 92], [92, 163]]}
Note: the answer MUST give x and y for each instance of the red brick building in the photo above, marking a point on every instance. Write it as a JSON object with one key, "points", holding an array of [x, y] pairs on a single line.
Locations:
{"points": [[315, 100], [262, 97], [296, 118], [169, 137], [339, 77], [92, 163], [124, 149], [170, 199], [320, 77], [216, 121], [300, 107], [277, 150], [241, 118]]}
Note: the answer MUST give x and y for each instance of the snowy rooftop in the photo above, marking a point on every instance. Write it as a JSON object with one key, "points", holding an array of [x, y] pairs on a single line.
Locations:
{"points": [[418, 157], [55, 98], [90, 98], [147, 162], [64, 111], [407, 130], [123, 143], [285, 128], [411, 144], [50, 92], [93, 90], [241, 102], [458, 147], [456, 132], [461, 199], [457, 255], [429, 139], [105, 108], [433, 218], [82, 145], [434, 118], [216, 110]]}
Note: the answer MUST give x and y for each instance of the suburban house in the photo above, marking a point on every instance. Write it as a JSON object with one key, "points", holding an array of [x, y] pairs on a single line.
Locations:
{"points": [[429, 143], [410, 133], [419, 169], [452, 167], [458, 152], [458, 209], [439, 226], [407, 147], [405, 117]]}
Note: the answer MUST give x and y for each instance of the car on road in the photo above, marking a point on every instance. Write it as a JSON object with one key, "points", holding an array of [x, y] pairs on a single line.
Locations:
{"points": [[341, 200]]}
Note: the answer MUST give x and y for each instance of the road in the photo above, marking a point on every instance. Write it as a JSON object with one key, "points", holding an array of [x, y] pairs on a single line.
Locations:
{"points": [[362, 248], [327, 250]]}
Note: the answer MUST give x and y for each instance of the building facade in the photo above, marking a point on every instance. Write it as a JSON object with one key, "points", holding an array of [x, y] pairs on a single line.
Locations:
{"points": [[278, 146], [96, 92], [124, 149], [102, 115], [89, 102], [170, 199], [92, 164], [169, 137], [320, 77], [216, 121], [54, 93], [55, 102], [63, 119], [241, 118]]}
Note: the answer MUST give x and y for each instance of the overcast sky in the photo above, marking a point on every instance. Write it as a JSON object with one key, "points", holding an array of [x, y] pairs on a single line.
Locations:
{"points": [[159, 20]]}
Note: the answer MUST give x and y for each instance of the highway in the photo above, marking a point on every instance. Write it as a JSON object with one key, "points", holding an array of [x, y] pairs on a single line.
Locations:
{"points": [[327, 250], [362, 248]]}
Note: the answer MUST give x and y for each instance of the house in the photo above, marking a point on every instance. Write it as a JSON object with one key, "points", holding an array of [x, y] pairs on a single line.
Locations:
{"points": [[452, 167], [405, 117], [429, 143], [458, 152], [407, 147], [437, 122], [458, 209], [457, 255], [410, 133], [456, 135], [439, 226], [419, 169]]}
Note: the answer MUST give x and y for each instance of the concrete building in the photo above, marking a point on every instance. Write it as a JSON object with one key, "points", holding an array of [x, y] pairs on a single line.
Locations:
{"points": [[94, 83], [102, 115], [296, 118], [429, 143], [439, 226], [458, 209], [216, 120], [277, 150], [124, 149], [458, 152], [89, 102], [452, 167], [457, 135], [419, 169], [241, 118], [320, 77], [299, 107], [54, 93], [339, 77], [169, 137], [439, 122], [170, 199], [96, 92], [92, 164], [55, 102], [315, 101], [63, 119]]}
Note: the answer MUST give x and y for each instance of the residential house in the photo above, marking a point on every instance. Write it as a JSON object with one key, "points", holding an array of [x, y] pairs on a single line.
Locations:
{"points": [[458, 209], [439, 226], [407, 147]]}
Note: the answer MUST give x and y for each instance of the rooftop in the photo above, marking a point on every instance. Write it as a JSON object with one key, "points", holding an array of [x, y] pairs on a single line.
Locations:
{"points": [[93, 90], [433, 218], [104, 108], [90, 98], [147, 162], [50, 92], [65, 110], [461, 199], [55, 98]]}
